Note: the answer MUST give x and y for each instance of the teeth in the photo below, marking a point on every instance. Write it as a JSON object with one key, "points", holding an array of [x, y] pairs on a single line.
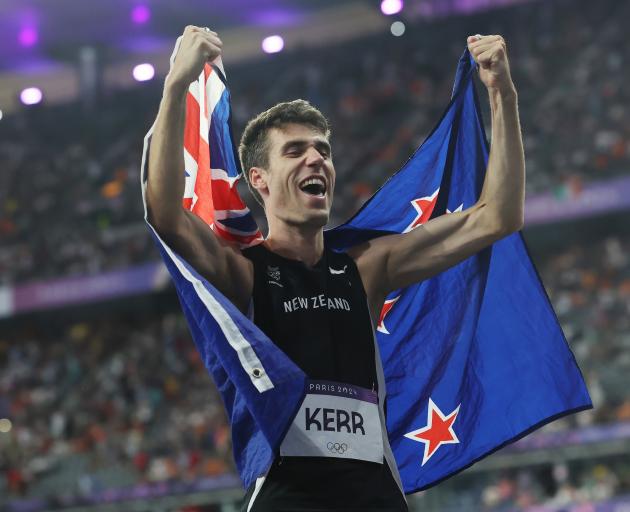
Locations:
{"points": [[314, 181]]}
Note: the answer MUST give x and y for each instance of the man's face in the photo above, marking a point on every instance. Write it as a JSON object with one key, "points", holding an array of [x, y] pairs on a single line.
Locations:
{"points": [[299, 182]]}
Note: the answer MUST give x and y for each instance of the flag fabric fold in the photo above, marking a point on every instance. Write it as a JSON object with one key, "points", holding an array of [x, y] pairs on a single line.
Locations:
{"points": [[260, 386], [473, 358]]}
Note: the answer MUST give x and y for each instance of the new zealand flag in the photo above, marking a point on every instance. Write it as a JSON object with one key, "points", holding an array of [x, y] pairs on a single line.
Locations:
{"points": [[472, 359]]}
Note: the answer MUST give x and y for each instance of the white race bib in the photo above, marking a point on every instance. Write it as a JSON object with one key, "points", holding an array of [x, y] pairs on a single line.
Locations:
{"points": [[336, 420]]}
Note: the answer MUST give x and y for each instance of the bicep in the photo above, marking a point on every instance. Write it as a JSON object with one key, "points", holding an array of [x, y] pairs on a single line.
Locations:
{"points": [[216, 260], [396, 261]]}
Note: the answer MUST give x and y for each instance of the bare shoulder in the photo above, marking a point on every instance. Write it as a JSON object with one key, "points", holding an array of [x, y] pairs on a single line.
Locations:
{"points": [[219, 261], [371, 258], [368, 257]]}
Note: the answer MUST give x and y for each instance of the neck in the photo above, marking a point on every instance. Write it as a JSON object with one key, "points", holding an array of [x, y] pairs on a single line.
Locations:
{"points": [[302, 243]]}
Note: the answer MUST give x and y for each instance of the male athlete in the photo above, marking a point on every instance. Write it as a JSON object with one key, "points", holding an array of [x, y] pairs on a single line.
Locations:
{"points": [[318, 306]]}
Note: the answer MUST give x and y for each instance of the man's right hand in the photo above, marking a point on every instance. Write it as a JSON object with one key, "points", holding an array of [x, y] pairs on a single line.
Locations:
{"points": [[197, 47]]}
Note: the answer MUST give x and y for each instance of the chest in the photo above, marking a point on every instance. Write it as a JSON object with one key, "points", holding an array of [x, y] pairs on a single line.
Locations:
{"points": [[318, 317], [298, 293]]}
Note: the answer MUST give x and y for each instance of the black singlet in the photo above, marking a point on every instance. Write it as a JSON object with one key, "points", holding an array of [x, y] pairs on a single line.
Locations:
{"points": [[329, 340]]}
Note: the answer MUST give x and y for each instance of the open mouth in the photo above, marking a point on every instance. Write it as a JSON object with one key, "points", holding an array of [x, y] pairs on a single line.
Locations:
{"points": [[314, 186]]}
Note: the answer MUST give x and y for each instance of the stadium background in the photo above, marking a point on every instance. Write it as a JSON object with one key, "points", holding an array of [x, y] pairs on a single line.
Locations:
{"points": [[104, 403]]}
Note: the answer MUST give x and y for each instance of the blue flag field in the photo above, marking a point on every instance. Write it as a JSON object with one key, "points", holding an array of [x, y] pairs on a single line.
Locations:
{"points": [[472, 359]]}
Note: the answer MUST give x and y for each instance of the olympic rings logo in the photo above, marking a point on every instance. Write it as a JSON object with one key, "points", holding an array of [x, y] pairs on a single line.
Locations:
{"points": [[339, 448]]}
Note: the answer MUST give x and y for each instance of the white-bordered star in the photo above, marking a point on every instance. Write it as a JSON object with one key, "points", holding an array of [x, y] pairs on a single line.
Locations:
{"points": [[439, 431], [424, 207], [458, 209]]}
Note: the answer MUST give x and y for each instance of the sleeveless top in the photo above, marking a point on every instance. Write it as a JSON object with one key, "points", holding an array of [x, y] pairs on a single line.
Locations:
{"points": [[319, 317]]}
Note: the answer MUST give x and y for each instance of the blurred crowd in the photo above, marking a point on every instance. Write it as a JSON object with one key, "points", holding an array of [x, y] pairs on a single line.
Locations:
{"points": [[555, 487], [589, 286], [128, 394], [69, 186]]}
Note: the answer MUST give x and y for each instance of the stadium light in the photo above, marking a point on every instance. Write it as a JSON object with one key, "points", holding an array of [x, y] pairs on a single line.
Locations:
{"points": [[5, 425], [397, 29], [28, 37], [143, 72], [31, 96], [389, 7], [140, 14], [272, 44]]}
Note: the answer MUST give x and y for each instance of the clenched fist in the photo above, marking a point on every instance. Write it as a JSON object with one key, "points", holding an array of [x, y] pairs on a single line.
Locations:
{"points": [[490, 53], [197, 47]]}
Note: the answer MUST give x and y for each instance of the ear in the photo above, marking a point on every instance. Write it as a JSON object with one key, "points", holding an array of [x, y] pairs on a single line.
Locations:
{"points": [[258, 180]]}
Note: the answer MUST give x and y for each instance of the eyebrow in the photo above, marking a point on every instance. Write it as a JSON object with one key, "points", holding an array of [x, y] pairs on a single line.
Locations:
{"points": [[319, 144]]}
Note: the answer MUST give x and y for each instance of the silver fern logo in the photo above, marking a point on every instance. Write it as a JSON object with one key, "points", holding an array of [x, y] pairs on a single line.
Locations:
{"points": [[274, 274]]}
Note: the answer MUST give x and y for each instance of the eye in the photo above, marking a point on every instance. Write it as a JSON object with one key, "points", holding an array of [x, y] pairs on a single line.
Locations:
{"points": [[324, 151]]}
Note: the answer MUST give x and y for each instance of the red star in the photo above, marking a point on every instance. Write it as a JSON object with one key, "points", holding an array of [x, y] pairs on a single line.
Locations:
{"points": [[424, 206], [389, 304], [439, 431]]}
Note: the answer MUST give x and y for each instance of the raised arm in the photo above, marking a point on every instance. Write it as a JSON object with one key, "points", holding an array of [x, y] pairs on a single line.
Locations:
{"points": [[504, 186], [395, 261], [216, 260]]}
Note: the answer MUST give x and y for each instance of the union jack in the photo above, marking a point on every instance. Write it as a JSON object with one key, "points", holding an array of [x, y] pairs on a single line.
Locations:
{"points": [[211, 164]]}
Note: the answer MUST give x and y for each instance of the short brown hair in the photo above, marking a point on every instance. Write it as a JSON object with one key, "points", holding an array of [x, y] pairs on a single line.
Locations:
{"points": [[253, 150]]}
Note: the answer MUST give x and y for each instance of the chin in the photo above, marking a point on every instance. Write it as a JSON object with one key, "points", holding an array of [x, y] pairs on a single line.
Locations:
{"points": [[320, 220], [314, 219]]}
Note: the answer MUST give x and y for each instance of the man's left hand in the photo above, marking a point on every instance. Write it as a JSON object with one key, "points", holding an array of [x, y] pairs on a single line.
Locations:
{"points": [[490, 53]]}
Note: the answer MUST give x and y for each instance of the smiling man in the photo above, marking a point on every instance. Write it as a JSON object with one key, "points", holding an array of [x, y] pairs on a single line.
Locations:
{"points": [[320, 307]]}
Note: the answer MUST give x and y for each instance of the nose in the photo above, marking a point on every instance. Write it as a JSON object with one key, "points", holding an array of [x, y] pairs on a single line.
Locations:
{"points": [[313, 157]]}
